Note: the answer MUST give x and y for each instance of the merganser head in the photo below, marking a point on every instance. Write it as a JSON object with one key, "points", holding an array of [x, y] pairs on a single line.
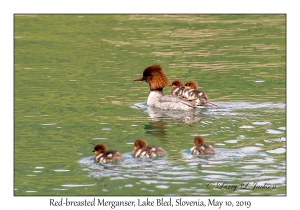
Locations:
{"points": [[177, 83], [99, 148], [139, 143], [198, 140], [155, 77], [191, 85]]}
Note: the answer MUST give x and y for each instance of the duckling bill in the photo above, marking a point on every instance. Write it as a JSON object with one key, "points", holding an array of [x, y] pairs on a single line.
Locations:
{"points": [[103, 155]]}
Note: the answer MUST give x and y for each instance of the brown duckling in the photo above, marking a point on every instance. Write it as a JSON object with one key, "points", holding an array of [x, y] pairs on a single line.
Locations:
{"points": [[177, 88], [192, 93], [200, 147], [103, 155], [143, 150]]}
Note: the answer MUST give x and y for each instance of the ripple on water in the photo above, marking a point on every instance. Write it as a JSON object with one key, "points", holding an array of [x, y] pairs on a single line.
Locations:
{"points": [[246, 126], [78, 185], [249, 150], [277, 151], [48, 124], [261, 123], [282, 139], [106, 129], [162, 186], [216, 177], [163, 173], [274, 131], [59, 189], [247, 105], [250, 167], [61, 170], [231, 141]]}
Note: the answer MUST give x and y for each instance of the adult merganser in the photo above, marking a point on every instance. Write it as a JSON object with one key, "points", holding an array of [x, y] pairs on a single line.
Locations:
{"points": [[103, 155], [200, 147], [143, 150], [157, 80]]}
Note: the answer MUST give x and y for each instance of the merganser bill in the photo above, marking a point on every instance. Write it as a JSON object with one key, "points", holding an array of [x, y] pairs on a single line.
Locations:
{"points": [[143, 150], [103, 155], [201, 148], [157, 80]]}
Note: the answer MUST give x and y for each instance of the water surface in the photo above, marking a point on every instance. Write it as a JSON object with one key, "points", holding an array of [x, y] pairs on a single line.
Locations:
{"points": [[74, 88]]}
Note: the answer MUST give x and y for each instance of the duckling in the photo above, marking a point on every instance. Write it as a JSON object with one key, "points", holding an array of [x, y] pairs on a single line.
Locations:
{"points": [[142, 150], [201, 148], [177, 88], [103, 155], [193, 94]]}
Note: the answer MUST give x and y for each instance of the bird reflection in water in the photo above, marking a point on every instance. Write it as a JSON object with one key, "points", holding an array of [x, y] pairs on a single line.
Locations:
{"points": [[176, 116]]}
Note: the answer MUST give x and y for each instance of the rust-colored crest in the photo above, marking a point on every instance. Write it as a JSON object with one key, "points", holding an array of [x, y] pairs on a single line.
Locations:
{"points": [[155, 77], [100, 148], [191, 85], [198, 140], [140, 143], [177, 83]]}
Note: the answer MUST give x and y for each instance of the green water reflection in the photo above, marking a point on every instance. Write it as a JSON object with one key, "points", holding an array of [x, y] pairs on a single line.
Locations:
{"points": [[74, 88]]}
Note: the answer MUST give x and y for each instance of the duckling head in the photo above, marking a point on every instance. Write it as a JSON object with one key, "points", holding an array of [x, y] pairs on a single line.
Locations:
{"points": [[191, 85], [99, 148], [177, 83], [139, 143], [198, 140]]}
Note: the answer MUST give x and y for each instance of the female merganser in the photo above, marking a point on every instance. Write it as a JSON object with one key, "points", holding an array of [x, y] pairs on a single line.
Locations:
{"points": [[200, 147], [142, 150], [157, 80], [102, 155]]}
